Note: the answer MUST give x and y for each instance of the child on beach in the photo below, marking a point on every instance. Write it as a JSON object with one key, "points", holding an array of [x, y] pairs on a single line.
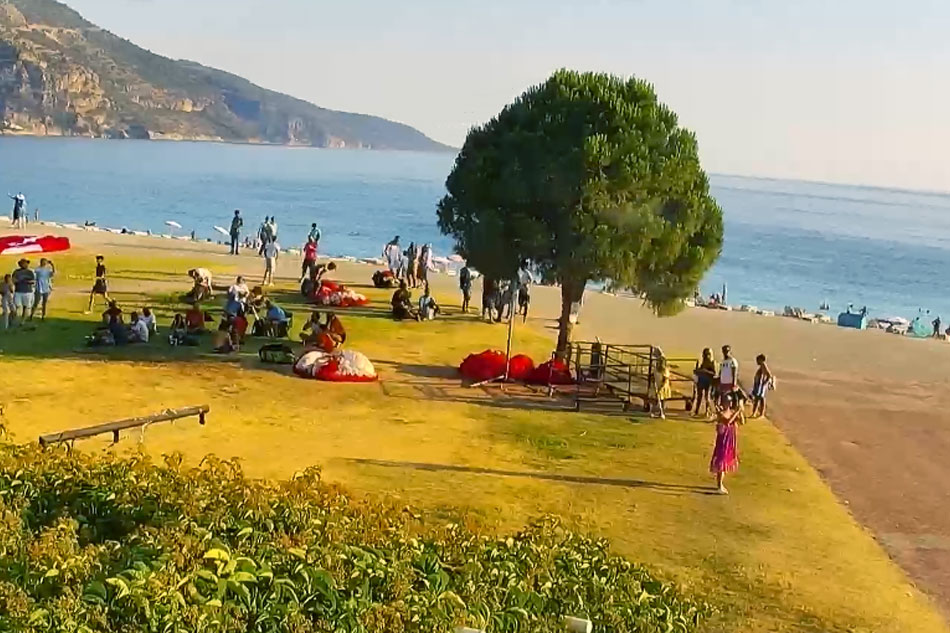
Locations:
{"points": [[760, 386], [725, 457]]}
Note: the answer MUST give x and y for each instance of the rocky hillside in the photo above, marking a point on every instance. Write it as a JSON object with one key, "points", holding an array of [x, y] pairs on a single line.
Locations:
{"points": [[62, 75]]}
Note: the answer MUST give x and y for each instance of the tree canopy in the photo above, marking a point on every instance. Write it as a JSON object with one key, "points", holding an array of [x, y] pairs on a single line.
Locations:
{"points": [[588, 177]]}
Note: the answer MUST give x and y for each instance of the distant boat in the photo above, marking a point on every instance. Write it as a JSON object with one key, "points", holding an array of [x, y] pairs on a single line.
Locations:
{"points": [[173, 224], [223, 231]]}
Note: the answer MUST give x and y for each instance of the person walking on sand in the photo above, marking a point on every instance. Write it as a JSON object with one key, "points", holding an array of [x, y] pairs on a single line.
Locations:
{"points": [[412, 264], [725, 457], [44, 286], [760, 386], [271, 252], [19, 208], [936, 324], [24, 288], [728, 371], [465, 285], [237, 223], [100, 286], [314, 234], [392, 255], [425, 264]]}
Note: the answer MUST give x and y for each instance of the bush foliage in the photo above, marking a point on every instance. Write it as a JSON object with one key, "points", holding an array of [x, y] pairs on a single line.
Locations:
{"points": [[93, 543]]}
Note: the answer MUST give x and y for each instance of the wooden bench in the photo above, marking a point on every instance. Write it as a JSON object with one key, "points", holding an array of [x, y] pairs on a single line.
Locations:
{"points": [[131, 423]]}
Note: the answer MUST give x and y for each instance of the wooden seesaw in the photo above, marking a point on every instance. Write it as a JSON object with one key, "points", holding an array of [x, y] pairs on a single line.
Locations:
{"points": [[167, 415]]}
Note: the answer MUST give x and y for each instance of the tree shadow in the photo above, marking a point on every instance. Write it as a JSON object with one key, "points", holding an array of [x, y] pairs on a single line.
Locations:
{"points": [[542, 476]]}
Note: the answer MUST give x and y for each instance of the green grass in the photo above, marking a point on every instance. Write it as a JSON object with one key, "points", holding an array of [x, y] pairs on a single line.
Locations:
{"points": [[779, 554]]}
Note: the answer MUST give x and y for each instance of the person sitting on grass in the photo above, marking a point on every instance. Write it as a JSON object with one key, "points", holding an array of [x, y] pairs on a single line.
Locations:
{"points": [[226, 339], [310, 332], [237, 297], [402, 303], [112, 314], [150, 322], [195, 319], [276, 319], [202, 289], [333, 327], [138, 330], [428, 308], [178, 332]]}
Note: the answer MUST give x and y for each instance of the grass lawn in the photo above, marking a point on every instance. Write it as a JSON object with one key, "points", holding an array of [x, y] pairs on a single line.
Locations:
{"points": [[779, 554]]}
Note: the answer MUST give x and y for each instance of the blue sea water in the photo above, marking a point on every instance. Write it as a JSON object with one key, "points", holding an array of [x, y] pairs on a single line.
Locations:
{"points": [[787, 242]]}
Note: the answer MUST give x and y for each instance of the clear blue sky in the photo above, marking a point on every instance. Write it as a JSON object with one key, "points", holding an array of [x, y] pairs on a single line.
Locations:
{"points": [[838, 90]]}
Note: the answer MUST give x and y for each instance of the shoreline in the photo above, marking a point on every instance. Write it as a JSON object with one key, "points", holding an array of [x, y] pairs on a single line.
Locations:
{"points": [[817, 318]]}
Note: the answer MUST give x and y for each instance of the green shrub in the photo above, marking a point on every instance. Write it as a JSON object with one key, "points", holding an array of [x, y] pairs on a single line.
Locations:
{"points": [[102, 543]]}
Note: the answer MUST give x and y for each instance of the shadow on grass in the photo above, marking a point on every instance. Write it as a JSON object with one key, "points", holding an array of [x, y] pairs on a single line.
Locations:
{"points": [[574, 479]]}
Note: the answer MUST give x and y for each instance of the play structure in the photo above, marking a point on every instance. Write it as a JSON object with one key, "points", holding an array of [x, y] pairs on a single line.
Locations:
{"points": [[609, 374]]}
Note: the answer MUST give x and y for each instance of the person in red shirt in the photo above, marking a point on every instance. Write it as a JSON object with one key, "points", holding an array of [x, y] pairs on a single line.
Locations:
{"points": [[309, 260], [195, 319]]}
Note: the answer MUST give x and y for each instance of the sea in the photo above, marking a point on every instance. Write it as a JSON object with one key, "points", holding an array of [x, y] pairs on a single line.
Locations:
{"points": [[786, 242]]}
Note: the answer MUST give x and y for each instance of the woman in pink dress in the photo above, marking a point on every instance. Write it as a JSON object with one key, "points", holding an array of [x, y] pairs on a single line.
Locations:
{"points": [[725, 457]]}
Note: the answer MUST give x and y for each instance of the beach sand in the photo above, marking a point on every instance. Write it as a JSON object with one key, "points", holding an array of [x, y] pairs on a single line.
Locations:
{"points": [[867, 409]]}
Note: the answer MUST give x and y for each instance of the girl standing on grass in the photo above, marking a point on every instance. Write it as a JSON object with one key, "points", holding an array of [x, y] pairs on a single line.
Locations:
{"points": [[664, 391], [725, 457]]}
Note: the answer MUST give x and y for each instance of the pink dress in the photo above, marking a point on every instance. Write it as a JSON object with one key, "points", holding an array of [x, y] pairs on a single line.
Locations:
{"points": [[725, 457]]}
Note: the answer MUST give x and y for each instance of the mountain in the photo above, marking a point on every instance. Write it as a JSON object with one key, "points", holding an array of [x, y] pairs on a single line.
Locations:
{"points": [[62, 75]]}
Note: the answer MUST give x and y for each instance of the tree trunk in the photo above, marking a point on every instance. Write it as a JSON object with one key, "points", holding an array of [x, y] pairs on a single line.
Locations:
{"points": [[571, 292]]}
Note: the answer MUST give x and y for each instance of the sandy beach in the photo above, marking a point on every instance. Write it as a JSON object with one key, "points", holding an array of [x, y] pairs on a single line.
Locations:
{"points": [[865, 408]]}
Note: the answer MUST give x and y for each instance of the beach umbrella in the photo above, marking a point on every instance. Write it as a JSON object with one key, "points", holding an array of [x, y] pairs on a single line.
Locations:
{"points": [[21, 244], [458, 259], [223, 231], [173, 224]]}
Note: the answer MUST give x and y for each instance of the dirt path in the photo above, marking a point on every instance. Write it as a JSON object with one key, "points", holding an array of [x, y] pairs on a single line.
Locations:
{"points": [[870, 411]]}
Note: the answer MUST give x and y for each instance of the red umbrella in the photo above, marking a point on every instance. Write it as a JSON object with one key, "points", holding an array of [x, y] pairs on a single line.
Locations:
{"points": [[22, 244]]}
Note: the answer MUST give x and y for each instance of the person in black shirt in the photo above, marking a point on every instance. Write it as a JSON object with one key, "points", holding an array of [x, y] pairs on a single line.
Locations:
{"points": [[465, 285], [237, 223], [100, 286]]}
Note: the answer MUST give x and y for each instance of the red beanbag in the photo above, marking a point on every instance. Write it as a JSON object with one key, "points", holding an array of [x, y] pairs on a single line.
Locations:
{"points": [[484, 366], [553, 372], [520, 367]]}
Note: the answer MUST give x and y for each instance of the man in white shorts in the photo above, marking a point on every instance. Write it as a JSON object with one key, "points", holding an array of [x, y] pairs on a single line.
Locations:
{"points": [[24, 287], [271, 252]]}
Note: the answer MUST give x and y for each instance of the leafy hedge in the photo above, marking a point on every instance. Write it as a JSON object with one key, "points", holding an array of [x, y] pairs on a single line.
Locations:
{"points": [[93, 543]]}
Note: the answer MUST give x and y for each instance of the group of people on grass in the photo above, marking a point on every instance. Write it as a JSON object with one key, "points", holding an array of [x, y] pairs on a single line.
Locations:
{"points": [[25, 290], [497, 295], [114, 331], [412, 264], [402, 307], [718, 386]]}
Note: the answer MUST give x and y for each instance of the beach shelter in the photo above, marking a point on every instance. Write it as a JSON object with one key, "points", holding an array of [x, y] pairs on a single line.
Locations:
{"points": [[24, 244]]}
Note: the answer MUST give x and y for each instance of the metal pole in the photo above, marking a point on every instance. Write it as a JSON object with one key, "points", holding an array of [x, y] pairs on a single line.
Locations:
{"points": [[511, 327]]}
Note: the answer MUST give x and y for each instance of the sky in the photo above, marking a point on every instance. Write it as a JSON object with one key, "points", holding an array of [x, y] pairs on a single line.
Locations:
{"points": [[852, 91]]}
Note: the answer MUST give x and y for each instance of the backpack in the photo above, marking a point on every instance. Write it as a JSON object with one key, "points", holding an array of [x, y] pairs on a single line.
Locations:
{"points": [[276, 353]]}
